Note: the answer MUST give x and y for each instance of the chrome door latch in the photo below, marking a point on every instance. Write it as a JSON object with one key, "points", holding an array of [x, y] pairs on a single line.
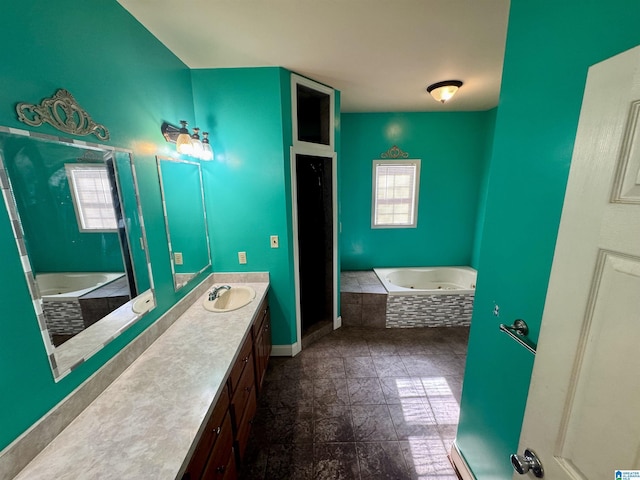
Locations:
{"points": [[527, 462]]}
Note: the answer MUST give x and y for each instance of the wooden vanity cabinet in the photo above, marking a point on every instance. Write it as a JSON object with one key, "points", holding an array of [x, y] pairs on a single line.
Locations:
{"points": [[225, 438], [216, 443], [242, 385], [222, 463]]}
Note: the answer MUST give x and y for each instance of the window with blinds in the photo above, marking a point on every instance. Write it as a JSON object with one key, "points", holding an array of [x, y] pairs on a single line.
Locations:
{"points": [[395, 193], [91, 192]]}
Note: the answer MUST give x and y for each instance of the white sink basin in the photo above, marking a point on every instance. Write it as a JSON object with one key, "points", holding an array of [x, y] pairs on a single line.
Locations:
{"points": [[143, 303], [229, 300]]}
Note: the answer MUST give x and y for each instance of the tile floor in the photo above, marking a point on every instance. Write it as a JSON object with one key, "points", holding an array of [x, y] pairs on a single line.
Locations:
{"points": [[361, 403]]}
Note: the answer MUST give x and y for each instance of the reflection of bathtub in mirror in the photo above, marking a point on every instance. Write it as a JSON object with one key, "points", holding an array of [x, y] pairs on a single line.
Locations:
{"points": [[73, 301], [91, 340]]}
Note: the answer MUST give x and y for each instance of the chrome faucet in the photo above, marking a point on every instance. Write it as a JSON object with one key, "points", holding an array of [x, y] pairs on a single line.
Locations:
{"points": [[215, 293]]}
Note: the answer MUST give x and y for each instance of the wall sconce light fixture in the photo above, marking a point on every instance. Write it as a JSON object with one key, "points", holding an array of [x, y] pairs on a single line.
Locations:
{"points": [[207, 151], [443, 91], [186, 143]]}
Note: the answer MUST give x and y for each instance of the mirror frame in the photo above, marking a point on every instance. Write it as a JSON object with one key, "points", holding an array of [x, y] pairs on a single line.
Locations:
{"points": [[64, 360], [176, 284]]}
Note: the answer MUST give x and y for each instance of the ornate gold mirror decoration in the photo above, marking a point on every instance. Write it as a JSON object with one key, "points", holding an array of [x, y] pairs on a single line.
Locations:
{"points": [[63, 112]]}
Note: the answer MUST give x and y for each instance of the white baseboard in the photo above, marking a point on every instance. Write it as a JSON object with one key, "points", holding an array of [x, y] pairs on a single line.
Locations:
{"points": [[285, 350], [460, 464], [337, 323]]}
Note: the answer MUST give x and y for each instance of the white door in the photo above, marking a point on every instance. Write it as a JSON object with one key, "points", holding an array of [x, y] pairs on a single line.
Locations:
{"points": [[583, 411]]}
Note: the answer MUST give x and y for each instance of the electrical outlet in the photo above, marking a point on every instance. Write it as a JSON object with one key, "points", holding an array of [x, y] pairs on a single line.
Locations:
{"points": [[496, 310], [177, 258], [242, 257], [274, 241]]}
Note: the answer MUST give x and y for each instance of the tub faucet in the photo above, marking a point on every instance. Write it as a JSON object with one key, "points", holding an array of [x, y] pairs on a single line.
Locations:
{"points": [[215, 293]]}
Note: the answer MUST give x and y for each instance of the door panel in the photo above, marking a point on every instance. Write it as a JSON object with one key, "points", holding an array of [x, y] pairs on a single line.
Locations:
{"points": [[604, 364], [627, 182], [582, 416]]}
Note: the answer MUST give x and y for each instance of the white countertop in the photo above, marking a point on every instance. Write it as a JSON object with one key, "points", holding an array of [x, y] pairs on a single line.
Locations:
{"points": [[142, 426]]}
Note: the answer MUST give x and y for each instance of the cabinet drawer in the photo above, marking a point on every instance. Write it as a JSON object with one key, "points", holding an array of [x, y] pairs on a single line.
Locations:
{"points": [[244, 358], [213, 431], [217, 466], [244, 427], [244, 391]]}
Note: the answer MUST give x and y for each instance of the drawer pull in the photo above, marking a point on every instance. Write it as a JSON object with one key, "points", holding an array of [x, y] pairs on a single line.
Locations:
{"points": [[247, 389], [217, 430], [245, 359], [221, 469]]}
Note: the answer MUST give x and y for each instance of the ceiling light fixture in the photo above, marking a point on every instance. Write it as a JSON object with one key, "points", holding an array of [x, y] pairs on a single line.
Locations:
{"points": [[443, 91], [186, 143]]}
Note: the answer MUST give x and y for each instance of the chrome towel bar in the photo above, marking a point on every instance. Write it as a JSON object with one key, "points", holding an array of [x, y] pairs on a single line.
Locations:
{"points": [[519, 331]]}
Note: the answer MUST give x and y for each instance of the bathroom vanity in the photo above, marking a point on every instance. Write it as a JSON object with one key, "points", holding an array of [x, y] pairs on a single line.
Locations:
{"points": [[224, 437], [183, 409]]}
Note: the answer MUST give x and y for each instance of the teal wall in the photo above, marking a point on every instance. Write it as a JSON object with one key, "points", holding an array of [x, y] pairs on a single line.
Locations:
{"points": [[484, 180], [43, 197], [550, 46], [247, 185], [453, 149], [127, 81]]}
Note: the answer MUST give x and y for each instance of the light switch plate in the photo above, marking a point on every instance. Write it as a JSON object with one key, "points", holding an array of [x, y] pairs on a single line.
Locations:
{"points": [[177, 258]]}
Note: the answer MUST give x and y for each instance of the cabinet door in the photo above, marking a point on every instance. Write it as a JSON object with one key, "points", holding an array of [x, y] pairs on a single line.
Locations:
{"points": [[265, 346], [217, 466], [262, 343], [244, 391], [266, 331], [231, 472], [244, 427], [213, 431]]}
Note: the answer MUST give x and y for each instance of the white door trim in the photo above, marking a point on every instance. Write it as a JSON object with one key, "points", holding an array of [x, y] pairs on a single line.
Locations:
{"points": [[303, 150], [315, 147], [460, 464]]}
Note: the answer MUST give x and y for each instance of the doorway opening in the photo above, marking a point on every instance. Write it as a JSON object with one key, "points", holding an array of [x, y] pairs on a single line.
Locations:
{"points": [[316, 266]]}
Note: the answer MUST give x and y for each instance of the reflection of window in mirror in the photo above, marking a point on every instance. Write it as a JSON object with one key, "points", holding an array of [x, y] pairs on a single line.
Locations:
{"points": [[92, 197]]}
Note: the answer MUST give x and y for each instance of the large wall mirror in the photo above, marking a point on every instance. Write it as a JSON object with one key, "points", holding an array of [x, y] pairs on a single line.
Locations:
{"points": [[185, 218], [78, 225]]}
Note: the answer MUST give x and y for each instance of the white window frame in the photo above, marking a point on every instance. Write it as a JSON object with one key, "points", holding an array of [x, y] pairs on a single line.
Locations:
{"points": [[319, 148], [103, 175], [413, 223]]}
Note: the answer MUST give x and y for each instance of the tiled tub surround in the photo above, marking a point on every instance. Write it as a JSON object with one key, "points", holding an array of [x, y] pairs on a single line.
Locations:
{"points": [[69, 314], [143, 425], [364, 301], [436, 310]]}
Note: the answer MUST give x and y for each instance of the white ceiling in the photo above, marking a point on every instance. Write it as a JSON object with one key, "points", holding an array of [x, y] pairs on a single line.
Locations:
{"points": [[381, 54]]}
